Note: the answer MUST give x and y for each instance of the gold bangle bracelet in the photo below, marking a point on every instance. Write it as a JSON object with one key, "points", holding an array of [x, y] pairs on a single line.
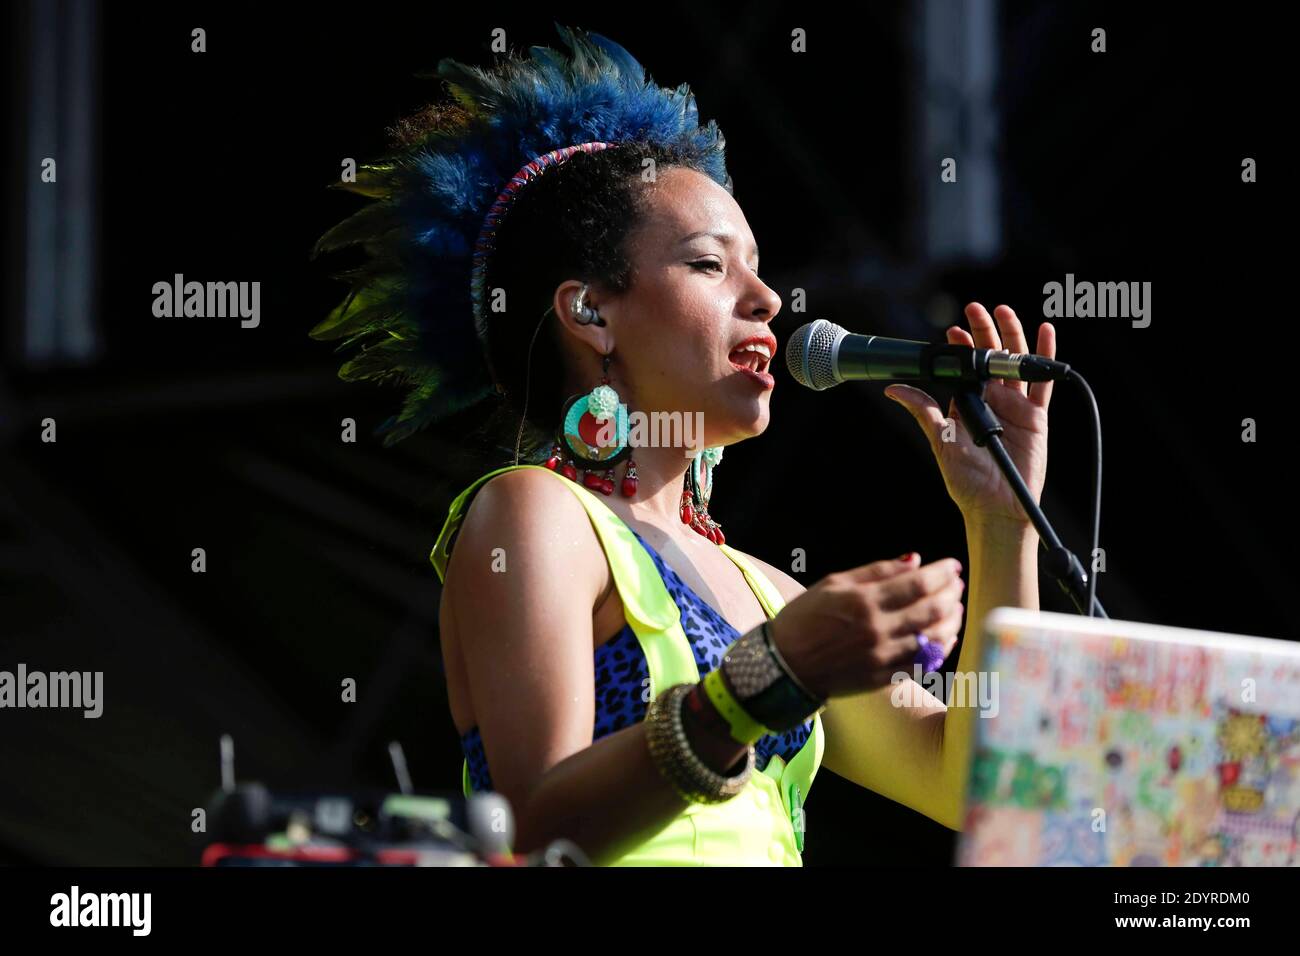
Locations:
{"points": [[677, 761]]}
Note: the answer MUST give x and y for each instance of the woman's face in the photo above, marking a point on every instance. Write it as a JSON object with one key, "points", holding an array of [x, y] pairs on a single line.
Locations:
{"points": [[695, 296]]}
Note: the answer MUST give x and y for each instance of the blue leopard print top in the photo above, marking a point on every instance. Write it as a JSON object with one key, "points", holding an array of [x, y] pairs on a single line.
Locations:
{"points": [[621, 671]]}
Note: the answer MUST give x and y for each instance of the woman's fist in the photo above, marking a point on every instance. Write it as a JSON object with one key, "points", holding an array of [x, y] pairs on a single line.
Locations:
{"points": [[853, 630]]}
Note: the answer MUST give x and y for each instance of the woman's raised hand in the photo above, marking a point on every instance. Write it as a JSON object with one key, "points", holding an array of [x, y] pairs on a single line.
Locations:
{"points": [[974, 481]]}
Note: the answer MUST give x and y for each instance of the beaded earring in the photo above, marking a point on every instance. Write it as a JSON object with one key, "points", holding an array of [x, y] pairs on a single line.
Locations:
{"points": [[696, 493], [585, 438]]}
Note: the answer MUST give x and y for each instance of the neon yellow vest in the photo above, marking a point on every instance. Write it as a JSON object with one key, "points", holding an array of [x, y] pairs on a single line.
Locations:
{"points": [[763, 825]]}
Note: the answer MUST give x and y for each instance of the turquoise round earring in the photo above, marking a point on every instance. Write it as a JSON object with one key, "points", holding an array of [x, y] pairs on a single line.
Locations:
{"points": [[696, 493], [593, 436]]}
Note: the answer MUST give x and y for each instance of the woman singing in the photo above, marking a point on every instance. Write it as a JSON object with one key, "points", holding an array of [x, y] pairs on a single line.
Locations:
{"points": [[559, 250]]}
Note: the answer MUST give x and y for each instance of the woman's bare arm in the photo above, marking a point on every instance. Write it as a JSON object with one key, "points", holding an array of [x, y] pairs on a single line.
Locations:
{"points": [[523, 616]]}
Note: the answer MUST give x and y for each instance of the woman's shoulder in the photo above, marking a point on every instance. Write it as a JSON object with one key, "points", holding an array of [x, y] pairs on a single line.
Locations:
{"points": [[526, 493], [528, 510]]}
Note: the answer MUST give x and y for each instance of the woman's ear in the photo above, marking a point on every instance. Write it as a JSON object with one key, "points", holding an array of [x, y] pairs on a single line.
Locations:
{"points": [[596, 335]]}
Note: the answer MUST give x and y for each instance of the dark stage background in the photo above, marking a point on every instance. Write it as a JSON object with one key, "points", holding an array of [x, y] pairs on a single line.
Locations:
{"points": [[176, 434]]}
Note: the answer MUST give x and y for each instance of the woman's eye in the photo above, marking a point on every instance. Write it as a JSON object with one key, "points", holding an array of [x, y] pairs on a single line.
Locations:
{"points": [[707, 264]]}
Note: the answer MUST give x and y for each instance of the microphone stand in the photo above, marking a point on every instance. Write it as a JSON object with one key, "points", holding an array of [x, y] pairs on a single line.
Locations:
{"points": [[1061, 562]]}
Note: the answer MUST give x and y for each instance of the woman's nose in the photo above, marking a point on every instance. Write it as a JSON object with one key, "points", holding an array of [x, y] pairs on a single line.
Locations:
{"points": [[766, 302]]}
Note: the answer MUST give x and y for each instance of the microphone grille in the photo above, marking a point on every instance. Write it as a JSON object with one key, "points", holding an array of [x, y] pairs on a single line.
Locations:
{"points": [[810, 354]]}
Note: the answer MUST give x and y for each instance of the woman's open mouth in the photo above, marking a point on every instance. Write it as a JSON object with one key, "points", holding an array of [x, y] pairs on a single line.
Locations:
{"points": [[752, 357]]}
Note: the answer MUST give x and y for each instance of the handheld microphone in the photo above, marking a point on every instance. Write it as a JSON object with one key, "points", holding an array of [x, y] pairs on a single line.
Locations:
{"points": [[821, 354]]}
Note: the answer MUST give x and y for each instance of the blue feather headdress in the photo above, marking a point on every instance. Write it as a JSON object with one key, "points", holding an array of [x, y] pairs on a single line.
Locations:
{"points": [[415, 307]]}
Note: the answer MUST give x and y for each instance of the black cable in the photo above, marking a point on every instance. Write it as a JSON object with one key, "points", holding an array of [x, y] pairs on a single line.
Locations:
{"points": [[1074, 376]]}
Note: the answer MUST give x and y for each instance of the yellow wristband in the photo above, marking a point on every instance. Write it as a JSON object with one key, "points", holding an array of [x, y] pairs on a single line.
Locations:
{"points": [[744, 728]]}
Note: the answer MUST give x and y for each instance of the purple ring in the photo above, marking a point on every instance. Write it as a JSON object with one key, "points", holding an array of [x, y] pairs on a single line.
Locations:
{"points": [[929, 655]]}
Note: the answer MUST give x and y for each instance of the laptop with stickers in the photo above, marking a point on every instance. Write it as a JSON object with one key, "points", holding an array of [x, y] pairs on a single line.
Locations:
{"points": [[1121, 744]]}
